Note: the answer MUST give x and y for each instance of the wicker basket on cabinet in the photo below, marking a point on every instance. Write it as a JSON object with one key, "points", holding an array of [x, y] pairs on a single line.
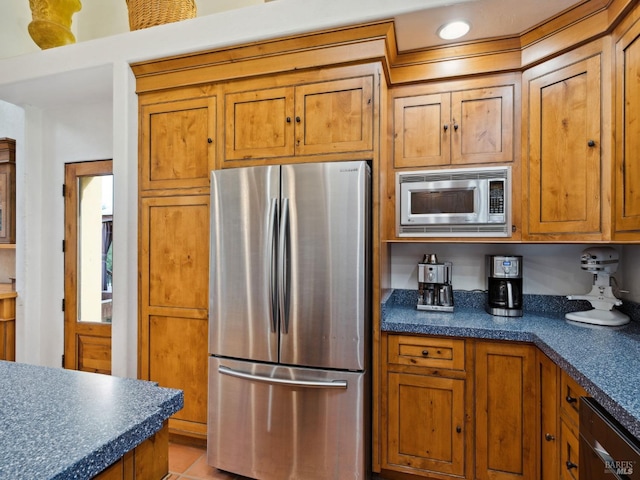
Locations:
{"points": [[148, 13]]}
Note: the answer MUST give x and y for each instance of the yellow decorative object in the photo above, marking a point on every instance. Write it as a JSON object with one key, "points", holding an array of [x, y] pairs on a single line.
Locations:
{"points": [[148, 13], [51, 25]]}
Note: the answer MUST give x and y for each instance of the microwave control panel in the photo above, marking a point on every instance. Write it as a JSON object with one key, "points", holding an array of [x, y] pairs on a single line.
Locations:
{"points": [[496, 197]]}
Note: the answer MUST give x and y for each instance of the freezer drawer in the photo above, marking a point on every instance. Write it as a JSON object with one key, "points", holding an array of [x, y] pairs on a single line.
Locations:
{"points": [[264, 429]]}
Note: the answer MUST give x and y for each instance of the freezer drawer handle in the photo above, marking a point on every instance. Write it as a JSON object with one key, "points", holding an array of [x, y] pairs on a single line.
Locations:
{"points": [[281, 381]]}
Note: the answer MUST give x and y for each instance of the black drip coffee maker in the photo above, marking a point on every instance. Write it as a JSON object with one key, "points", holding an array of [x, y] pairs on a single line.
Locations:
{"points": [[504, 285]]}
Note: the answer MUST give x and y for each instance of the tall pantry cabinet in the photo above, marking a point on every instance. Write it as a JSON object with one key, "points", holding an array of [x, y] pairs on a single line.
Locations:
{"points": [[176, 154]]}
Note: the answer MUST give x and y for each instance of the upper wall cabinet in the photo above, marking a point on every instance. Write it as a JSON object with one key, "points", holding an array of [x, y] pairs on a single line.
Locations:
{"points": [[456, 123], [326, 117], [567, 153], [627, 160], [177, 143]]}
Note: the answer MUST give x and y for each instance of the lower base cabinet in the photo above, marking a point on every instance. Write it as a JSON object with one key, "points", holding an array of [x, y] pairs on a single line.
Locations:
{"points": [[458, 408]]}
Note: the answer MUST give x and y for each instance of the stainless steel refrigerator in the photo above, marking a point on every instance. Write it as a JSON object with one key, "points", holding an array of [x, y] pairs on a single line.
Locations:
{"points": [[290, 321]]}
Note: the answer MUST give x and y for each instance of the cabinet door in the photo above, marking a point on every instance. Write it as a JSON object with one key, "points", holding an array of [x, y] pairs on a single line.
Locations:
{"points": [[564, 158], [421, 130], [426, 429], [334, 116], [482, 125], [569, 451], [259, 124], [173, 329], [548, 389], [506, 430], [177, 144], [627, 200]]}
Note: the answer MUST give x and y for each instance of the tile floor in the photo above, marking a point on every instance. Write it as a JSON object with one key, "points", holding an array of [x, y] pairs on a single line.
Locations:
{"points": [[188, 462]]}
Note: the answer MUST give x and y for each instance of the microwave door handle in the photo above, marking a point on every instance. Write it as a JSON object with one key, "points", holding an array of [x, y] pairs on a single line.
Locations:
{"points": [[273, 270], [283, 252], [509, 295]]}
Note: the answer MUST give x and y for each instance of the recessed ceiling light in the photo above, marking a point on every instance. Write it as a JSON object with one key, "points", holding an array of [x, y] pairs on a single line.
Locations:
{"points": [[453, 30]]}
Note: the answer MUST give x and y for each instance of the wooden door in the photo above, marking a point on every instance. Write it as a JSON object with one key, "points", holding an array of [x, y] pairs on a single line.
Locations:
{"points": [[173, 328], [421, 130], [549, 391], [334, 116], [177, 144], [426, 423], [259, 124], [87, 283], [506, 433], [564, 152], [627, 199], [482, 125]]}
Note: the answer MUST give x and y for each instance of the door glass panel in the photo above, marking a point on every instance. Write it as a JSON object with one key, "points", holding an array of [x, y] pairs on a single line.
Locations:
{"points": [[95, 233]]}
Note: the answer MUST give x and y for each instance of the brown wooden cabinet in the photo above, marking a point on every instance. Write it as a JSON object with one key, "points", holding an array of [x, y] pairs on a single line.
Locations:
{"points": [[333, 116], [173, 329], [559, 397], [7, 190], [566, 162], [505, 411], [177, 153], [177, 143], [456, 123], [428, 408], [627, 128], [7, 323]]}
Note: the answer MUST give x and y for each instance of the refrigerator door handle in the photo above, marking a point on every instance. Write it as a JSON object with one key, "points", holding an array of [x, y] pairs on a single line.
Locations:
{"points": [[273, 269], [283, 252], [282, 381]]}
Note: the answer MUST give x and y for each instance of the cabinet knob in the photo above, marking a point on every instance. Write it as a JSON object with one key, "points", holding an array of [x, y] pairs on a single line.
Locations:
{"points": [[288, 119], [591, 143], [455, 127], [446, 127], [209, 140], [548, 437], [297, 119], [458, 429], [571, 465], [571, 399], [425, 353]]}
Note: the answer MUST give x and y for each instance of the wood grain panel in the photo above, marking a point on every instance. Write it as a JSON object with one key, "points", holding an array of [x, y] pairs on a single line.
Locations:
{"points": [[421, 130], [94, 353], [564, 163], [426, 423], [178, 251], [506, 430], [548, 389], [627, 210], [178, 359], [335, 116], [177, 145]]}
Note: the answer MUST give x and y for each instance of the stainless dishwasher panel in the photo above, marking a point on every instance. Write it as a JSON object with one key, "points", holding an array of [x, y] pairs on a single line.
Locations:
{"points": [[273, 422], [607, 450]]}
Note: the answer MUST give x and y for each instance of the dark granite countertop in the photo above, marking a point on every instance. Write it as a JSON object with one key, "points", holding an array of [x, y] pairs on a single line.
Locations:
{"points": [[65, 424], [604, 360]]}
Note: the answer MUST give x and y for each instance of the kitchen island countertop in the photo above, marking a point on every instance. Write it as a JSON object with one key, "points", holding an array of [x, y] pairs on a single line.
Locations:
{"points": [[63, 424], [604, 360]]}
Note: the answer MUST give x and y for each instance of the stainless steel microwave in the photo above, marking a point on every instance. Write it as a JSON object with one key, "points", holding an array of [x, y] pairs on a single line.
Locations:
{"points": [[461, 202]]}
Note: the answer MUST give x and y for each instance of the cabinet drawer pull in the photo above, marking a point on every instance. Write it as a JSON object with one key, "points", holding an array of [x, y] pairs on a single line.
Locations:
{"points": [[571, 399], [446, 127], [571, 465], [458, 429], [455, 127], [425, 353], [209, 140], [288, 119], [298, 119], [548, 437], [591, 143]]}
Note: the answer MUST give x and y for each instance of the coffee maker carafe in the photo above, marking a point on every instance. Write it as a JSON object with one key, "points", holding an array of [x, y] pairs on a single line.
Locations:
{"points": [[504, 285], [434, 285]]}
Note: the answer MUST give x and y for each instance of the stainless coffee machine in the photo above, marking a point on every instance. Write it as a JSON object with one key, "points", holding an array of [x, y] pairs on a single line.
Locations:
{"points": [[504, 285], [434, 285]]}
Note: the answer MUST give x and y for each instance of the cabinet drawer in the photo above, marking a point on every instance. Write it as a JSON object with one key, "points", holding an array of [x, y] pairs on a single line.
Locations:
{"points": [[569, 453], [426, 352], [570, 397]]}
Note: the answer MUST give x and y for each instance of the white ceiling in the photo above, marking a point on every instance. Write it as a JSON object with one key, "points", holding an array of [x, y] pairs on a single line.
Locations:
{"points": [[488, 19]]}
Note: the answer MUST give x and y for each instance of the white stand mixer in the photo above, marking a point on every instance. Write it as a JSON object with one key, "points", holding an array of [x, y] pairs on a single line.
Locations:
{"points": [[602, 262]]}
